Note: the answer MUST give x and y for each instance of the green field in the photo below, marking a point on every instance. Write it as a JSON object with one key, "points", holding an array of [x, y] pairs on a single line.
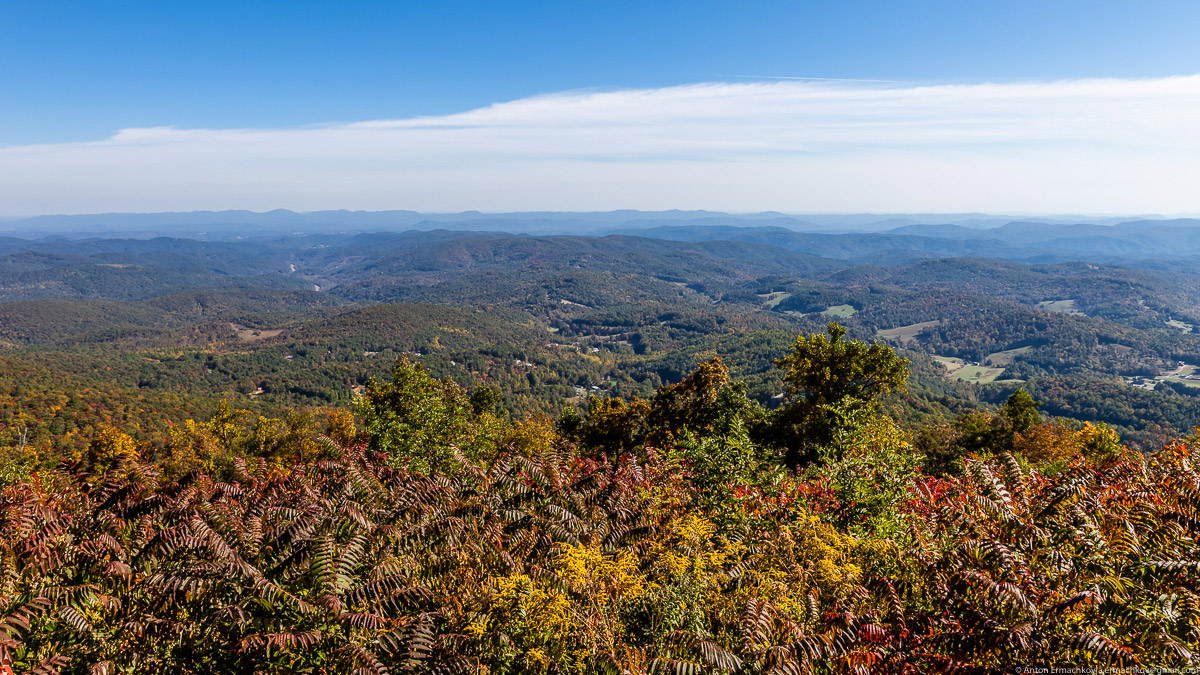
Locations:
{"points": [[1181, 325], [1005, 357], [771, 300], [840, 311], [960, 370], [1061, 307], [905, 334]]}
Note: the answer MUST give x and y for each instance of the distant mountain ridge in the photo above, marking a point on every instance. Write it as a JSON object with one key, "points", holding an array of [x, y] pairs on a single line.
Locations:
{"points": [[241, 223], [216, 241], [1143, 241], [281, 220]]}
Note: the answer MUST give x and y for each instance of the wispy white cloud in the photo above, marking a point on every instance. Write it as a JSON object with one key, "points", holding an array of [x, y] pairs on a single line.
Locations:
{"points": [[1104, 145], [811, 79]]}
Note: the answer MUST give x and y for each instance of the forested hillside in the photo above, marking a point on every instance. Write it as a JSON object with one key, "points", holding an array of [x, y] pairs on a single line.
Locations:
{"points": [[285, 322]]}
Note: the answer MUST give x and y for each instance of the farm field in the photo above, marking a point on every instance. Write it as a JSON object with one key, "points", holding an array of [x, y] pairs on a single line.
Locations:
{"points": [[960, 370], [771, 300], [840, 311], [1061, 307], [904, 334], [1005, 357], [247, 334]]}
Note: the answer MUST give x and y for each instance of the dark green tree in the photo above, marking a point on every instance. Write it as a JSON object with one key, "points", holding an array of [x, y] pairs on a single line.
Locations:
{"points": [[420, 421], [826, 372], [485, 398], [1021, 412]]}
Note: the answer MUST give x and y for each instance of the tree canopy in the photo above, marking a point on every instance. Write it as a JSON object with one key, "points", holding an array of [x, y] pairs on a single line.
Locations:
{"points": [[827, 372]]}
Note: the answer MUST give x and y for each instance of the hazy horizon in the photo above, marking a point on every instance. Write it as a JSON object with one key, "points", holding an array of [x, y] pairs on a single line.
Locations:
{"points": [[747, 213]]}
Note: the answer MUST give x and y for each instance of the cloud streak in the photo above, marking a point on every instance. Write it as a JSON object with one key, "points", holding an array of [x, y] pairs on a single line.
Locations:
{"points": [[1104, 145]]}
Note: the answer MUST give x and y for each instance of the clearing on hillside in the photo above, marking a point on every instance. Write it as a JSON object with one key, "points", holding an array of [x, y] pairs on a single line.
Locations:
{"points": [[958, 369], [1186, 374], [770, 300], [1005, 357], [1181, 325], [247, 334], [840, 311], [905, 334], [1061, 306]]}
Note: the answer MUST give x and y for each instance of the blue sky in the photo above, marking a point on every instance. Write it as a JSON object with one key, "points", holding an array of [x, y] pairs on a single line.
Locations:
{"points": [[78, 73], [82, 70]]}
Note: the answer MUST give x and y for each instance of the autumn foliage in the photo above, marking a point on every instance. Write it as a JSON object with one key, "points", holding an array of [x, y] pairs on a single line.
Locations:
{"points": [[525, 546]]}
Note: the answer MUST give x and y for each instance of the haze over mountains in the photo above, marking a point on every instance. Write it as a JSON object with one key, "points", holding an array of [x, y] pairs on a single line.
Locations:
{"points": [[863, 238], [1060, 305]]}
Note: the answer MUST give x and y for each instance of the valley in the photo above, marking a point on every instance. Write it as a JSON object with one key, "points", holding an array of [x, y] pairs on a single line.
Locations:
{"points": [[626, 314]]}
